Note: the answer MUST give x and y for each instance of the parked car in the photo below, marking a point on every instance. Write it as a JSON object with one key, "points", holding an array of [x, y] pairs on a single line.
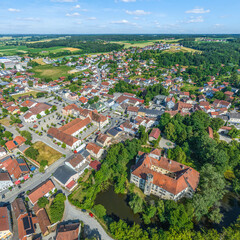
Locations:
{"points": [[91, 215], [84, 210]]}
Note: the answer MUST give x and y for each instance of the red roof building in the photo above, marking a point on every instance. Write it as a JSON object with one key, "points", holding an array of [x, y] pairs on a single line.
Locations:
{"points": [[154, 135]]}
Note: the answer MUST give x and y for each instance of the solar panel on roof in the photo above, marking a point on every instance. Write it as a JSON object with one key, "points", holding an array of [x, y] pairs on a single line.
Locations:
{"points": [[20, 160], [26, 223], [23, 168]]}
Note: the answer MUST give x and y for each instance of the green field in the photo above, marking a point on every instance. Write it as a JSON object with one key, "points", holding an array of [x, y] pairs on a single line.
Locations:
{"points": [[128, 44], [188, 87], [48, 71], [14, 50]]}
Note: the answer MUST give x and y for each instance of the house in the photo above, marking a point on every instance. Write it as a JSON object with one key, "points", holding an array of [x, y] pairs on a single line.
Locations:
{"points": [[99, 119], [11, 145], [132, 111], [128, 127], [234, 118], [159, 99], [3, 152], [70, 231], [5, 181], [149, 112], [96, 165], [70, 141], [114, 132], [6, 230], [66, 176], [25, 221], [42, 219], [103, 140], [38, 109], [71, 109], [78, 163], [43, 190], [164, 178], [74, 127], [19, 140], [154, 135], [94, 150]]}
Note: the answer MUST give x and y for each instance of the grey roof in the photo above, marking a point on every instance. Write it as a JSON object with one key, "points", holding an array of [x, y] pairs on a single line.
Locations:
{"points": [[63, 173], [23, 147], [151, 111], [223, 117], [234, 115], [113, 131], [5, 158], [84, 153]]}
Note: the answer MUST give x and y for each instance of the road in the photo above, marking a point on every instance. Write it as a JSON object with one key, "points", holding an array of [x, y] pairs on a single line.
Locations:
{"points": [[91, 225]]}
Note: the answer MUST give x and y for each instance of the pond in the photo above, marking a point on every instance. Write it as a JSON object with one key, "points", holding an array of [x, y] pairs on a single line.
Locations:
{"points": [[116, 206]]}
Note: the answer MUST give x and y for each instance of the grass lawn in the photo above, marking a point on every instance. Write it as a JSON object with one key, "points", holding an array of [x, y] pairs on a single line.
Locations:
{"points": [[39, 61], [128, 44], [46, 153], [34, 93], [188, 87], [48, 71], [5, 122]]}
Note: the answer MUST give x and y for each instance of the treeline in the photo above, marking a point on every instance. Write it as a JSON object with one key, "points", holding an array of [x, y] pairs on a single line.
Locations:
{"points": [[86, 47]]}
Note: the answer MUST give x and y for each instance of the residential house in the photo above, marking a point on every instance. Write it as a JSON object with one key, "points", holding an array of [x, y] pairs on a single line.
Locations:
{"points": [[78, 162], [5, 181], [6, 231], [3, 152], [103, 140], [154, 135], [234, 118], [66, 176], [43, 190], [70, 231], [94, 150]]}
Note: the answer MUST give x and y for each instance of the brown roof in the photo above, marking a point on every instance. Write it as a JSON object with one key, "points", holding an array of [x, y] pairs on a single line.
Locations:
{"points": [[18, 207], [73, 126], [102, 138], [10, 145], [25, 226], [42, 218], [93, 147], [132, 109], [61, 136], [4, 221], [155, 133], [40, 191], [97, 117], [68, 232], [71, 106], [4, 176], [75, 159], [184, 175]]}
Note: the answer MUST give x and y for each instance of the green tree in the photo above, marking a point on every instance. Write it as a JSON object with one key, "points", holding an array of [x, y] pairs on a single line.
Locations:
{"points": [[38, 116], [24, 109], [42, 202], [136, 204], [32, 153], [99, 210]]}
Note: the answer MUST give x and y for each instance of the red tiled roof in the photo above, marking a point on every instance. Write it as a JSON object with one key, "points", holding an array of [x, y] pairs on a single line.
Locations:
{"points": [[155, 133], [10, 145], [19, 140], [93, 147], [40, 191], [71, 184], [96, 165]]}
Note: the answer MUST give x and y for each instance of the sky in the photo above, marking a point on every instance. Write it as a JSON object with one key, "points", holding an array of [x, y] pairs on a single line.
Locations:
{"points": [[119, 16]]}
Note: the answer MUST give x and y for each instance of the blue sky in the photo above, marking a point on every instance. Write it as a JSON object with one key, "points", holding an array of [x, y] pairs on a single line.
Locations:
{"points": [[119, 16]]}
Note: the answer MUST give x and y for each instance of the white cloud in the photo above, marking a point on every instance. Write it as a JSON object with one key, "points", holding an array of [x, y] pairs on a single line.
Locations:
{"points": [[127, 1], [198, 11], [195, 20], [92, 18], [76, 14], [217, 25], [137, 12], [64, 1], [13, 10], [124, 21], [30, 19], [77, 6]]}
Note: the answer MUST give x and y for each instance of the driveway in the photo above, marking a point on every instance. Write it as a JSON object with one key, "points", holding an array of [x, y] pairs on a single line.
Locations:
{"points": [[91, 226]]}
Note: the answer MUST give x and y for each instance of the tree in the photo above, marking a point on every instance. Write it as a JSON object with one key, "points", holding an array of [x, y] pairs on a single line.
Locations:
{"points": [[216, 123], [64, 145], [32, 153], [212, 185], [99, 210], [136, 203], [47, 112], [8, 134], [177, 154], [57, 208], [38, 116], [24, 109], [54, 108], [149, 213], [42, 202]]}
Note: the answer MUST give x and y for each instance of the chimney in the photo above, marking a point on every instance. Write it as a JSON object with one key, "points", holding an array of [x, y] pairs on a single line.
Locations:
{"points": [[169, 161], [182, 167]]}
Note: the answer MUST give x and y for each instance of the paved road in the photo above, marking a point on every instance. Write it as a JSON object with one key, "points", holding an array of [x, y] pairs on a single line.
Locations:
{"points": [[92, 227]]}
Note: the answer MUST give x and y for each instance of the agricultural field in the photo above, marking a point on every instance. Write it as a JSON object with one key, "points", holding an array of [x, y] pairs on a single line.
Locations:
{"points": [[49, 71], [174, 49], [46, 153], [128, 44]]}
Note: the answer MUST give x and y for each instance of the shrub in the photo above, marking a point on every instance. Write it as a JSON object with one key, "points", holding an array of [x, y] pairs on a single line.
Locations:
{"points": [[42, 202], [57, 208]]}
